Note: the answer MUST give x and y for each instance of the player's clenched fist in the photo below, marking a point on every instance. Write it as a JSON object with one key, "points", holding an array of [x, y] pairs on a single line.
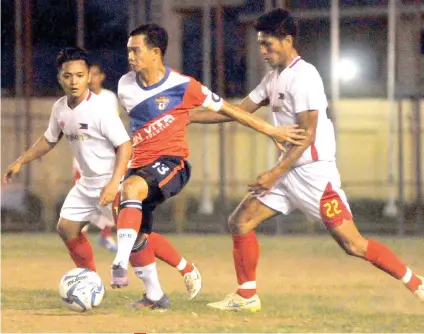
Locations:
{"points": [[10, 171]]}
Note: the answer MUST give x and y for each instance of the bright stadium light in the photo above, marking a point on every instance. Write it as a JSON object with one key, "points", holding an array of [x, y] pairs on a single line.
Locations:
{"points": [[347, 69]]}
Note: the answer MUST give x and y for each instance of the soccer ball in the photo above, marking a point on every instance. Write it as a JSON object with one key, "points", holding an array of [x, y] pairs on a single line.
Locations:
{"points": [[81, 289]]}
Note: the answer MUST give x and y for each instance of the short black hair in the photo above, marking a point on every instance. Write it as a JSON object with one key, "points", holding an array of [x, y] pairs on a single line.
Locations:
{"points": [[278, 23], [98, 65], [72, 53], [155, 36]]}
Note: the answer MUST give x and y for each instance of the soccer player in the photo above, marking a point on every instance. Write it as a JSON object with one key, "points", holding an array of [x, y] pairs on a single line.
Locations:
{"points": [[305, 177], [98, 77], [100, 144], [105, 225], [158, 99]]}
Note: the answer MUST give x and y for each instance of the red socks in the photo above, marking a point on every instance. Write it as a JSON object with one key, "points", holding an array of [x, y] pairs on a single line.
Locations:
{"points": [[81, 252], [383, 258], [130, 218], [142, 257], [246, 256], [166, 252]]}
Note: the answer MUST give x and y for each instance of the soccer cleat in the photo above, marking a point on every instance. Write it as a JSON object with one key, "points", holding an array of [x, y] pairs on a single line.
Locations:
{"points": [[235, 302], [193, 282], [108, 243], [119, 276], [420, 291], [145, 303]]}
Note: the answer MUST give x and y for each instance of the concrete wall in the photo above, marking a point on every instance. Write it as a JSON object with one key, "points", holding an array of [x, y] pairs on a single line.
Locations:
{"points": [[362, 153]]}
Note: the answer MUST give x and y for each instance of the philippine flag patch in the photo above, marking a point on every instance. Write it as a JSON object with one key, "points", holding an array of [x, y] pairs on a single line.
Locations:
{"points": [[83, 126]]}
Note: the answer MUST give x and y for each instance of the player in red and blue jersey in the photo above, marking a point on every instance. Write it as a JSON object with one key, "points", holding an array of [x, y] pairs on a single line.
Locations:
{"points": [[158, 99]]}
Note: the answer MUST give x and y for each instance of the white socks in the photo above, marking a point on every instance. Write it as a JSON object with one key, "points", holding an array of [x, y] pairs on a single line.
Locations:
{"points": [[248, 285], [182, 264], [126, 239], [408, 275], [149, 275]]}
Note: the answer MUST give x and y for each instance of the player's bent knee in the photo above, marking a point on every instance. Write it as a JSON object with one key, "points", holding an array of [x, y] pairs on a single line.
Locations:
{"points": [[68, 229], [355, 248], [245, 228], [235, 224], [134, 188], [238, 226], [65, 230], [232, 223]]}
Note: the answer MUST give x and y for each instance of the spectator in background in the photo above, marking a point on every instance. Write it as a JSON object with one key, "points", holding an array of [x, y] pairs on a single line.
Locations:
{"points": [[98, 77]]}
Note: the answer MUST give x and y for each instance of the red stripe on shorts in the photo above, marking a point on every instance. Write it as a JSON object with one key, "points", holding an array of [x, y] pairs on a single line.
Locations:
{"points": [[171, 175]]}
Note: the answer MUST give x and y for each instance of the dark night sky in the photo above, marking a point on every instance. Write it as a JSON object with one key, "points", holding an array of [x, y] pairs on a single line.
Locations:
{"points": [[106, 36]]}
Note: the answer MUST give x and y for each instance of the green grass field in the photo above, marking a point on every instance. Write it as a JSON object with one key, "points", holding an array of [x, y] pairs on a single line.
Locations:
{"points": [[306, 284]]}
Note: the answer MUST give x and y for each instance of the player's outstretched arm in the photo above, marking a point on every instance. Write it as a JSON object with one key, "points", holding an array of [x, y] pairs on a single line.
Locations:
{"points": [[205, 116], [40, 148], [123, 155], [286, 133]]}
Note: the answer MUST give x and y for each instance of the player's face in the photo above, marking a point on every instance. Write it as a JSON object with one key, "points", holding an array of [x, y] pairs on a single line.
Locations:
{"points": [[74, 78], [97, 78], [140, 56], [274, 50]]}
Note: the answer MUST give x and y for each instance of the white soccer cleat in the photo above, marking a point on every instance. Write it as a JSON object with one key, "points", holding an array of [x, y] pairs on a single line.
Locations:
{"points": [[193, 282], [420, 291], [235, 302]]}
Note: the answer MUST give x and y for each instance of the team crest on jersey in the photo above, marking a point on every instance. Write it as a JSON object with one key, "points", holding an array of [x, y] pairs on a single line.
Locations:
{"points": [[62, 124], [161, 102]]}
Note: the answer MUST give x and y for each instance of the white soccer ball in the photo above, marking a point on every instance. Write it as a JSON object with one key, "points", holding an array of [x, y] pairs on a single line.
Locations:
{"points": [[81, 289]]}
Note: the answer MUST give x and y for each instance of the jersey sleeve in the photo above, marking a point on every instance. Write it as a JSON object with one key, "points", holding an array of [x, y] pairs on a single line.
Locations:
{"points": [[260, 93], [201, 96], [53, 132], [116, 103], [112, 127], [120, 97], [307, 91]]}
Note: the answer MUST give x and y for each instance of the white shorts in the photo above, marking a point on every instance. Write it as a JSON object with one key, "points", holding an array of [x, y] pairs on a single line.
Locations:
{"points": [[313, 189], [82, 204]]}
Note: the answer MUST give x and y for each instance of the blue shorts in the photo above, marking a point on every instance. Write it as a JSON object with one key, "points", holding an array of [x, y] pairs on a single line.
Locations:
{"points": [[165, 178]]}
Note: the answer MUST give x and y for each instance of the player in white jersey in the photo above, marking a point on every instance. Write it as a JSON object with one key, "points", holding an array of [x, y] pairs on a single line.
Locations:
{"points": [[98, 77], [109, 98], [305, 177], [100, 144]]}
